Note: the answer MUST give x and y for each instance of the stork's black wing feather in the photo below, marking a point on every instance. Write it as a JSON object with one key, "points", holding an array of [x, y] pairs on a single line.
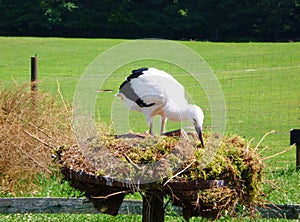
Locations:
{"points": [[141, 103], [126, 89], [134, 74]]}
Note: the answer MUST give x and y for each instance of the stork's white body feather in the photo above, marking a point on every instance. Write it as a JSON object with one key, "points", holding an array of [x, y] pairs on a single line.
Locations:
{"points": [[155, 92], [159, 87]]}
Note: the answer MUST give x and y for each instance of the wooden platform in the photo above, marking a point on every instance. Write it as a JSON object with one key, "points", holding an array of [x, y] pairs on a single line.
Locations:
{"points": [[107, 194]]}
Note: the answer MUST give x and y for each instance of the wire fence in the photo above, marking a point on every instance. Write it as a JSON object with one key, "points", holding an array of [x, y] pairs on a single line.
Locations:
{"points": [[262, 92], [262, 97]]}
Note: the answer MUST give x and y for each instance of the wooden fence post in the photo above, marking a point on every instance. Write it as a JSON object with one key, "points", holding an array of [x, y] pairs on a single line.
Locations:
{"points": [[34, 73], [34, 79], [295, 139]]}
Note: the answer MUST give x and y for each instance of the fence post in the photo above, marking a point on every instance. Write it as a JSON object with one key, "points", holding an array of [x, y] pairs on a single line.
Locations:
{"points": [[34, 73], [295, 139], [34, 79]]}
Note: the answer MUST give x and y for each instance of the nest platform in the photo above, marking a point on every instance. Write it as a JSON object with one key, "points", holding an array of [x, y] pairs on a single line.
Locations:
{"points": [[107, 194], [232, 178]]}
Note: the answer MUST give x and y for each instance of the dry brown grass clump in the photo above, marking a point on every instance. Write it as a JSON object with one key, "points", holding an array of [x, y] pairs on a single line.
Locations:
{"points": [[30, 126]]}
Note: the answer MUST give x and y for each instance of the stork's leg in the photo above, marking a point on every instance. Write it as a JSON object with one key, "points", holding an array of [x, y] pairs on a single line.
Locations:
{"points": [[193, 134], [163, 124], [151, 125]]}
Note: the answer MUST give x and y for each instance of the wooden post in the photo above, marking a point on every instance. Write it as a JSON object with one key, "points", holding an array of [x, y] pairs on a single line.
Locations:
{"points": [[34, 73], [295, 139], [34, 79], [153, 206]]}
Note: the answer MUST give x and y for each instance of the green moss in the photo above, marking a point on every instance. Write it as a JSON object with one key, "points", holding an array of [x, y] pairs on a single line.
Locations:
{"points": [[234, 162]]}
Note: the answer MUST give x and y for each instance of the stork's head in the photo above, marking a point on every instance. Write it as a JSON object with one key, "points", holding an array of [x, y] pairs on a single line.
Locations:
{"points": [[196, 116]]}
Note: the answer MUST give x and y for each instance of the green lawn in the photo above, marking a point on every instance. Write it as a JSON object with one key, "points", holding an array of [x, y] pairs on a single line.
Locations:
{"points": [[260, 82], [119, 218]]}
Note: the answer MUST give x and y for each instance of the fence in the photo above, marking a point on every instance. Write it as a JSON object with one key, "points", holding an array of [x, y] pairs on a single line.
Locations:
{"points": [[261, 94], [82, 205]]}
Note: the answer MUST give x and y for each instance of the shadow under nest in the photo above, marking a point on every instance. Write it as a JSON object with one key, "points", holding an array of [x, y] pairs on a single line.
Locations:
{"points": [[109, 167]]}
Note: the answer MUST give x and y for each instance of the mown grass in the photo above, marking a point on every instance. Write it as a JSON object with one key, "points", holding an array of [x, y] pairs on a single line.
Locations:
{"points": [[260, 82], [118, 218]]}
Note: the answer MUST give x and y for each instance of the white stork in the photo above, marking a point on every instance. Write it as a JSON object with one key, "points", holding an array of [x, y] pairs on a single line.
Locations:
{"points": [[155, 92]]}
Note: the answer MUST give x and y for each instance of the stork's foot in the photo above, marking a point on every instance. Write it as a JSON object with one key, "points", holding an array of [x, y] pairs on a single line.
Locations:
{"points": [[178, 133], [193, 134], [149, 133]]}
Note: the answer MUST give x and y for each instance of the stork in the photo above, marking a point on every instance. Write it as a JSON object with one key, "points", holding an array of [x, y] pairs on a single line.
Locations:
{"points": [[155, 92]]}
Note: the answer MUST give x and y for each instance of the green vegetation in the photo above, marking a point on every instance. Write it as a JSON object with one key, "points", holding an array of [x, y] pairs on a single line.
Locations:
{"points": [[259, 80], [222, 20], [103, 217]]}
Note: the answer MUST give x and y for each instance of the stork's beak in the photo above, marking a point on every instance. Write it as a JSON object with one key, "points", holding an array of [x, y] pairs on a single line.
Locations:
{"points": [[199, 132]]}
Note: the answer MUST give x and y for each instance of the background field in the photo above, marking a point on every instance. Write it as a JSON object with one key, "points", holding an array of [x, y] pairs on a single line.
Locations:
{"points": [[260, 82]]}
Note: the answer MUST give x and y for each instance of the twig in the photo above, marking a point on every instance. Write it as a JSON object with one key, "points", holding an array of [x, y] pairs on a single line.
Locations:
{"points": [[38, 139], [61, 96], [36, 162], [247, 147], [262, 150], [277, 154], [40, 130], [268, 133], [112, 194], [166, 204], [275, 186], [172, 193], [188, 166], [65, 105], [130, 161]]}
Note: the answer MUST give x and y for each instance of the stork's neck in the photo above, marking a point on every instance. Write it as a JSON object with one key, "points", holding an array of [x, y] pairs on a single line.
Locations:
{"points": [[195, 114], [173, 113], [184, 113]]}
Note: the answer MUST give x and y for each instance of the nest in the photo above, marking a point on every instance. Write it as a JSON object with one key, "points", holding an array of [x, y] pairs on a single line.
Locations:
{"points": [[233, 177]]}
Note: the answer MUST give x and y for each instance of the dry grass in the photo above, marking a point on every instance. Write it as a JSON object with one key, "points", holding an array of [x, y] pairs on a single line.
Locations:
{"points": [[31, 125]]}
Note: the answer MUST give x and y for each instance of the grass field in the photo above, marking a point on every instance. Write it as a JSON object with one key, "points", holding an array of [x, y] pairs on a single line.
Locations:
{"points": [[94, 217], [260, 82]]}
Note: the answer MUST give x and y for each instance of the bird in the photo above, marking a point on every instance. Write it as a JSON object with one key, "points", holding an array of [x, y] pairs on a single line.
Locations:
{"points": [[155, 92]]}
